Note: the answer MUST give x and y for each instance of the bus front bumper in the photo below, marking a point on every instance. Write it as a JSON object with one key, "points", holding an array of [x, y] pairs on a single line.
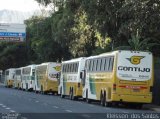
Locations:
{"points": [[132, 98]]}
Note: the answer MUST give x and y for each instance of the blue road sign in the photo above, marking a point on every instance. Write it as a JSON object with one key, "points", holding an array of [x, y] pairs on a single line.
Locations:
{"points": [[12, 34]]}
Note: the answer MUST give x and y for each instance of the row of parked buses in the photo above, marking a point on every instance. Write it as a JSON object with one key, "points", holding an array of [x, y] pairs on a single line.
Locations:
{"points": [[38, 78], [114, 77]]}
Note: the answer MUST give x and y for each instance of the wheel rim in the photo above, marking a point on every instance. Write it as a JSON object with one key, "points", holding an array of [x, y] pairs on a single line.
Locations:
{"points": [[87, 100], [70, 95]]}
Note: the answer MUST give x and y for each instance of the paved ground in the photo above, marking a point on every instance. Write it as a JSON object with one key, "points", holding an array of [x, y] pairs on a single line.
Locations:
{"points": [[30, 105]]}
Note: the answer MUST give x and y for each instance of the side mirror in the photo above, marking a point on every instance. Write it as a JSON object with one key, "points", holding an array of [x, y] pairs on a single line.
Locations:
{"points": [[58, 75], [81, 74]]}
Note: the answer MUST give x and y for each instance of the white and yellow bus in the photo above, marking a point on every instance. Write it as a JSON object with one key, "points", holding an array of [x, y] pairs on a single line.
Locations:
{"points": [[119, 77], [18, 78], [9, 77], [46, 77], [28, 77], [70, 81]]}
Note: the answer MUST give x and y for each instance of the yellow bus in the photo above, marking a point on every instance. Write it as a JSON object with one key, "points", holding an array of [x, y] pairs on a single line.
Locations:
{"points": [[28, 77], [70, 81], [119, 77], [18, 78], [46, 77], [9, 77]]}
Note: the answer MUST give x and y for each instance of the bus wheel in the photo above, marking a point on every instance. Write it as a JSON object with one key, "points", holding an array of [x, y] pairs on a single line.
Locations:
{"points": [[102, 101], [45, 92], [18, 85], [62, 96], [139, 106], [42, 90], [73, 97], [108, 104], [70, 94], [35, 90], [27, 87], [7, 86], [87, 100]]}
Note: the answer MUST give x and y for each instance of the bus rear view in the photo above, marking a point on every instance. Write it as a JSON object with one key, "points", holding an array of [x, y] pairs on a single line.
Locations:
{"points": [[134, 77]]}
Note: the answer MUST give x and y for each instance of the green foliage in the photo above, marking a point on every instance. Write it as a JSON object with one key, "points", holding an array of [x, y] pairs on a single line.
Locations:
{"points": [[89, 27], [12, 55], [135, 43]]}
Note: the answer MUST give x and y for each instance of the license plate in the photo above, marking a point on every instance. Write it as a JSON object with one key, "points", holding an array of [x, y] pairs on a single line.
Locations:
{"points": [[136, 90]]}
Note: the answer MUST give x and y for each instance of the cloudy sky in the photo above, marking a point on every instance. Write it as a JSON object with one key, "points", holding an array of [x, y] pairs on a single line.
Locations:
{"points": [[19, 5]]}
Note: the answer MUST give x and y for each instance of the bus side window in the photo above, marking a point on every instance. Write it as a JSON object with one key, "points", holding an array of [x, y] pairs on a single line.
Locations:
{"points": [[100, 66], [33, 73], [77, 67], [89, 67], [103, 61], [62, 68], [111, 61], [96, 64], [67, 68], [106, 64], [73, 69], [92, 65], [86, 64]]}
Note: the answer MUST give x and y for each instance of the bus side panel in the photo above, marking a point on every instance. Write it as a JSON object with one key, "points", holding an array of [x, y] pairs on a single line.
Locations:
{"points": [[67, 84], [98, 83]]}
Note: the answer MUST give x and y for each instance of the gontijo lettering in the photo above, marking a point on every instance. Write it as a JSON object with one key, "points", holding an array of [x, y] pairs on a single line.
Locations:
{"points": [[136, 69]]}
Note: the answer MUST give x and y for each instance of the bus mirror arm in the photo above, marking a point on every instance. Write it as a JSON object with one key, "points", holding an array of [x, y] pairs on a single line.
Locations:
{"points": [[81, 75], [58, 75]]}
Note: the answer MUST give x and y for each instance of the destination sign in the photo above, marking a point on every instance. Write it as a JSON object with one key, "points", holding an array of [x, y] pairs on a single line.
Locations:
{"points": [[11, 34]]}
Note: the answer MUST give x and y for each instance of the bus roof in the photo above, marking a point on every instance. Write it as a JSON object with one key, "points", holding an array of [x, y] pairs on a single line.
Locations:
{"points": [[46, 63], [10, 69], [113, 53], [103, 54], [32, 66], [74, 60]]}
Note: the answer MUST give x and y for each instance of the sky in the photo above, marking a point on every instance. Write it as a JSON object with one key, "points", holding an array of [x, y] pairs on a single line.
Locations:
{"points": [[19, 5]]}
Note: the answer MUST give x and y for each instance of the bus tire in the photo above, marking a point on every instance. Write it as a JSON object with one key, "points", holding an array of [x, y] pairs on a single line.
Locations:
{"points": [[61, 95], [18, 85], [73, 97], [27, 87], [103, 98], [35, 90], [106, 103], [87, 99], [42, 89], [45, 92], [70, 94], [139, 106]]}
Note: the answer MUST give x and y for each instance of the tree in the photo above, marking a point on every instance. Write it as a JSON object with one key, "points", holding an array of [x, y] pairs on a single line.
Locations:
{"points": [[136, 43]]}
